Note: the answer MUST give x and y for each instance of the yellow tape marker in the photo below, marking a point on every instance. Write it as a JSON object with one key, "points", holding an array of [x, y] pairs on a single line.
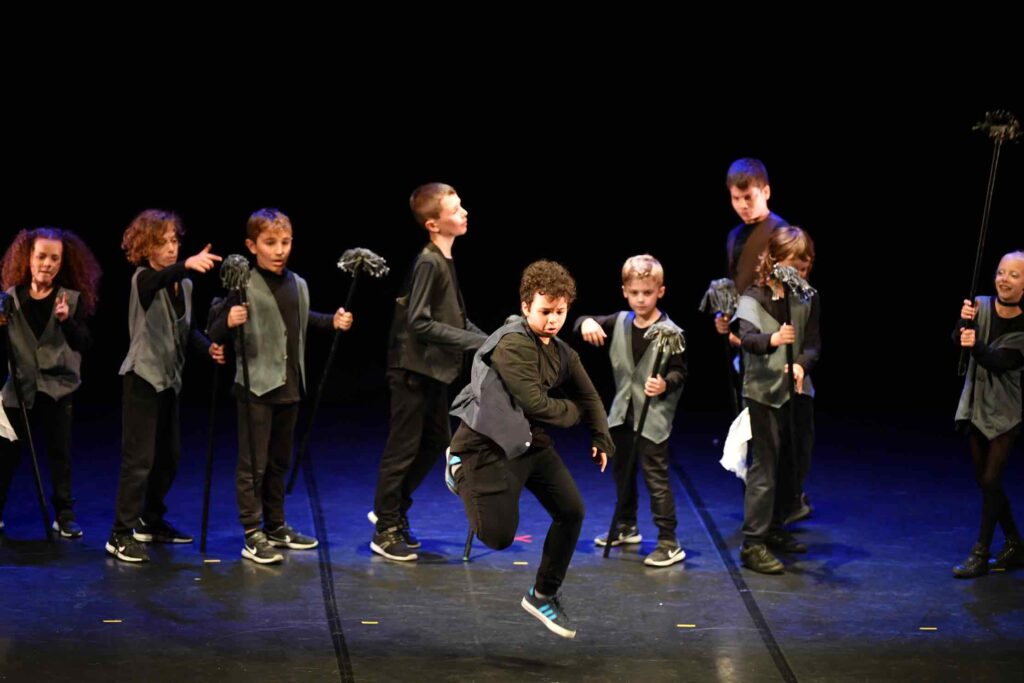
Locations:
{"points": [[211, 561], [927, 628], [370, 623], [111, 621], [521, 563], [686, 625]]}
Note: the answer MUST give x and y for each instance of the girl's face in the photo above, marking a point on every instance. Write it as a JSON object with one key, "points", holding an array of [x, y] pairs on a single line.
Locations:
{"points": [[802, 265], [166, 252], [1010, 279], [45, 261]]}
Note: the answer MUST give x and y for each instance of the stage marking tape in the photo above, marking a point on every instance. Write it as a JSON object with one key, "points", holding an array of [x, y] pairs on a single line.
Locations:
{"points": [[521, 563]]}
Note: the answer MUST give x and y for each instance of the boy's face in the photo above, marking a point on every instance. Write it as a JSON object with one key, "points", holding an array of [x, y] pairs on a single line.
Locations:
{"points": [[45, 261], [545, 315], [166, 252], [272, 248], [1010, 279], [453, 220], [802, 265], [751, 204], [643, 294]]}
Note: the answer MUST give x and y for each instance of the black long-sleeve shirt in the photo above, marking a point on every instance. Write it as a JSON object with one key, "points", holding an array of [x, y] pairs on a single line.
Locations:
{"points": [[675, 375], [995, 360], [286, 294], [529, 370], [753, 340], [38, 312], [151, 281]]}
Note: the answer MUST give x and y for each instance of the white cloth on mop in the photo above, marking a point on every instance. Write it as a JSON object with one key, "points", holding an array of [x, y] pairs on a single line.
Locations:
{"points": [[6, 430]]}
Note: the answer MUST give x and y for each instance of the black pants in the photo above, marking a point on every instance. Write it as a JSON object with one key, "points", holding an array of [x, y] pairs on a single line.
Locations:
{"points": [[652, 458], [273, 433], [52, 426], [989, 460], [773, 479], [490, 486], [419, 432], [150, 451]]}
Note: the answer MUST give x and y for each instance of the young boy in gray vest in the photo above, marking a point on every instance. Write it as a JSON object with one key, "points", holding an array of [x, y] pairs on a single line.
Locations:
{"points": [[524, 378], [632, 358], [160, 326], [760, 323], [430, 334], [276, 316], [53, 280]]}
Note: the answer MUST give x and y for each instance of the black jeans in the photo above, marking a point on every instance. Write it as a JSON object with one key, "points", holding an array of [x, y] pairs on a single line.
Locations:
{"points": [[273, 433], [652, 458], [418, 434], [52, 426], [490, 486], [150, 451], [773, 480]]}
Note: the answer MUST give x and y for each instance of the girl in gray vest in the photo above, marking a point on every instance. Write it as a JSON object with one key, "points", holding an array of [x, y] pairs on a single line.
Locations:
{"points": [[160, 326], [990, 408], [775, 474], [643, 284], [53, 279], [276, 316]]}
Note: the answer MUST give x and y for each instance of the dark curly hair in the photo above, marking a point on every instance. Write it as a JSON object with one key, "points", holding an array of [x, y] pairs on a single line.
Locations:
{"points": [[549, 279], [79, 269], [146, 233]]}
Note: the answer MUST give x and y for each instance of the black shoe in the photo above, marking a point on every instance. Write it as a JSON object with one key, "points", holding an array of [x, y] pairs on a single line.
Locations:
{"points": [[285, 536], [549, 612], [802, 510], [160, 531], [758, 558], [1012, 555], [628, 534], [391, 545], [403, 528], [258, 549], [667, 553], [124, 547], [784, 542], [67, 527], [975, 565]]}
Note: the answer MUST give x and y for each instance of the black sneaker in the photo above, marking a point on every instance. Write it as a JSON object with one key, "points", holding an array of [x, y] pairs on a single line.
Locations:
{"points": [[124, 547], [391, 545], [160, 531], [758, 558], [258, 549], [627, 534], [68, 528], [550, 613], [802, 510], [667, 553], [403, 528], [285, 536], [784, 542], [975, 565], [1012, 554]]}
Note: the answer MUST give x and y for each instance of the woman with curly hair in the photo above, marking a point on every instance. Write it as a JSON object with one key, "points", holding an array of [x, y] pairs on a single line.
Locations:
{"points": [[53, 280]]}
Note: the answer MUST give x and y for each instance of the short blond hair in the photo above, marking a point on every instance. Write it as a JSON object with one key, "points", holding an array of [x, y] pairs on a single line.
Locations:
{"points": [[641, 267]]}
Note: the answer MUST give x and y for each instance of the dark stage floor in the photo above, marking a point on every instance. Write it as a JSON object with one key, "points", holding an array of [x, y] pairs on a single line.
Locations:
{"points": [[873, 600]]}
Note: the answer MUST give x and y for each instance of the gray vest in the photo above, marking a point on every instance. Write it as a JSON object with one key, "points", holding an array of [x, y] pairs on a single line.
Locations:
{"points": [[266, 337], [630, 380], [484, 404], [156, 352], [47, 364], [990, 401], [763, 378]]}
